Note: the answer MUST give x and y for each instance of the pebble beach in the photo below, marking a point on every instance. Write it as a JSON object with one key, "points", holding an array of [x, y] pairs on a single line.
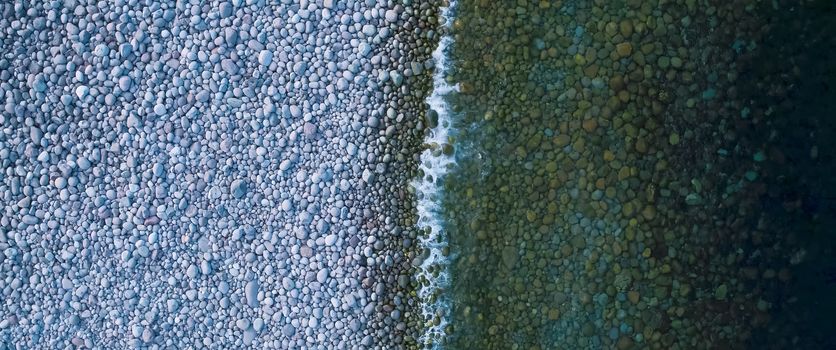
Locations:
{"points": [[209, 174], [402, 174]]}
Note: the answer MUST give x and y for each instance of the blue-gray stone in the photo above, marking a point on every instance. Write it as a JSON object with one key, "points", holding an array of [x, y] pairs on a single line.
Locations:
{"points": [[125, 83], [251, 293], [159, 109], [300, 67], [229, 66], [369, 30], [226, 9], [238, 188], [288, 330], [265, 57]]}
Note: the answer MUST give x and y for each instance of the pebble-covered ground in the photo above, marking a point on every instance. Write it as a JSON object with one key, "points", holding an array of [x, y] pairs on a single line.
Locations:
{"points": [[209, 174]]}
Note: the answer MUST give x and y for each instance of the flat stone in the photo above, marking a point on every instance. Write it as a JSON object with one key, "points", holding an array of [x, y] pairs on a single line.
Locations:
{"points": [[369, 30], [229, 66], [159, 109], [391, 16], [368, 176], [300, 67], [202, 96], [288, 330], [633, 296], [330, 240], [251, 293], [624, 49], [30, 220], [265, 57], [225, 9], [238, 188], [125, 83], [306, 251], [322, 275], [364, 49], [309, 129], [82, 91]]}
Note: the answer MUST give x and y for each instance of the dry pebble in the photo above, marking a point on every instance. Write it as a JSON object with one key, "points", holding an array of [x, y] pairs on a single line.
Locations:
{"points": [[183, 175]]}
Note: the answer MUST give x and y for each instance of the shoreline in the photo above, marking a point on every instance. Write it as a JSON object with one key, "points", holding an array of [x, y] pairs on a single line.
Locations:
{"points": [[438, 156], [412, 110], [235, 174]]}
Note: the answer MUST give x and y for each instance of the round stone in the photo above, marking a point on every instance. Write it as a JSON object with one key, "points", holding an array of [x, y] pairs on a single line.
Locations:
{"points": [[159, 109]]}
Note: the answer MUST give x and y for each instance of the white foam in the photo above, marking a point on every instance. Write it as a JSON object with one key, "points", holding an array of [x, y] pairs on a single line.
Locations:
{"points": [[430, 191]]}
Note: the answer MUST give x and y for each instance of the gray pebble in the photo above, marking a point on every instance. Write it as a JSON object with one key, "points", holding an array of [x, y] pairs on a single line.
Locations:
{"points": [[309, 129], [238, 188], [225, 9], [30, 220], [251, 293], [391, 16], [191, 272], [330, 240], [295, 111], [158, 169], [82, 91], [231, 36], [300, 67], [202, 96], [265, 58], [288, 330], [36, 134], [60, 183], [368, 176], [125, 83], [159, 109], [369, 30], [342, 84], [365, 49], [322, 275], [229, 66], [39, 84], [249, 336]]}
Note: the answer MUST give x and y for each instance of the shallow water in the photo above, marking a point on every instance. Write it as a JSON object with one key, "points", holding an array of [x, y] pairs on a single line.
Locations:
{"points": [[616, 163]]}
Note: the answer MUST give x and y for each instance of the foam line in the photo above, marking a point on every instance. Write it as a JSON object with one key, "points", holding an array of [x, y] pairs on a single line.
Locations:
{"points": [[430, 192]]}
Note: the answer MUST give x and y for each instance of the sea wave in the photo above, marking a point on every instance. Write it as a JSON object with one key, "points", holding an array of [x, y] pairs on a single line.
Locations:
{"points": [[429, 189]]}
